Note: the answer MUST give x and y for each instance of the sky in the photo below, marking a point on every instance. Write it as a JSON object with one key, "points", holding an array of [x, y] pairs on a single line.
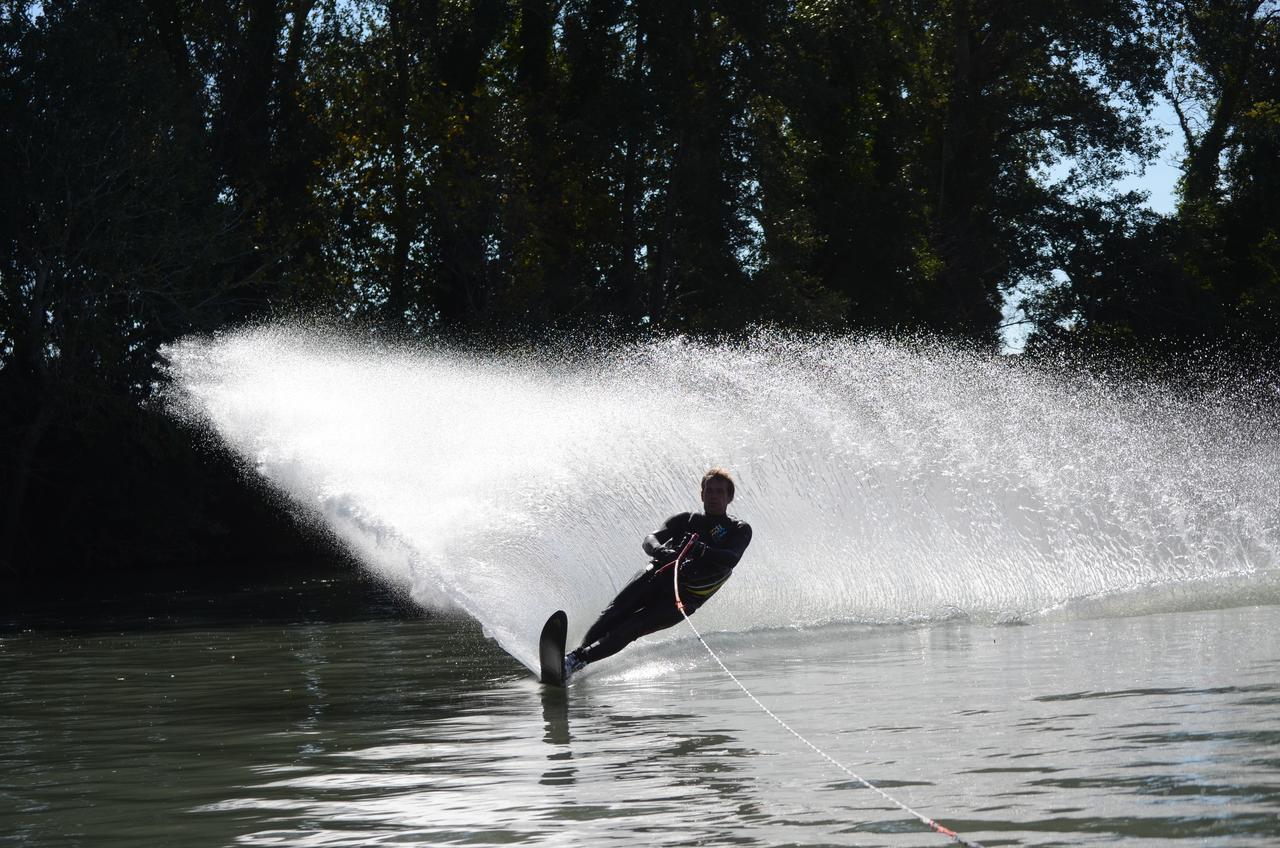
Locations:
{"points": [[1161, 176], [1159, 180]]}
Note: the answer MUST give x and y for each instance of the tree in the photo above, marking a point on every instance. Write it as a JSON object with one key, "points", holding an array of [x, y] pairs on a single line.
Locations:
{"points": [[111, 244], [1208, 274]]}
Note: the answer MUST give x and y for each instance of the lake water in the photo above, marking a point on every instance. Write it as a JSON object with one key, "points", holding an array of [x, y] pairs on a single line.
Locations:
{"points": [[381, 725]]}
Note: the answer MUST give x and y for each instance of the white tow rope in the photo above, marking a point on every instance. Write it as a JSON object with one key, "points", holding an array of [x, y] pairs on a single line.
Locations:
{"points": [[930, 823]]}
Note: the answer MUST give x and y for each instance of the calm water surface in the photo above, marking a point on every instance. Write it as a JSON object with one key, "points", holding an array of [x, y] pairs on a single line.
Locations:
{"points": [[387, 728]]}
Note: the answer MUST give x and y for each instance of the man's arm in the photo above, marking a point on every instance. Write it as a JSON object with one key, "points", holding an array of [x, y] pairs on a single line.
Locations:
{"points": [[653, 546], [727, 554], [657, 544]]}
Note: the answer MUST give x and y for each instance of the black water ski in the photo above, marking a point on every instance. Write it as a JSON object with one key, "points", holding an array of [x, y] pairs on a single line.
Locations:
{"points": [[551, 648]]}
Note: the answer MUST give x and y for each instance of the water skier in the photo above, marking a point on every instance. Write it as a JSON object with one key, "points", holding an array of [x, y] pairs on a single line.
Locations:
{"points": [[647, 604]]}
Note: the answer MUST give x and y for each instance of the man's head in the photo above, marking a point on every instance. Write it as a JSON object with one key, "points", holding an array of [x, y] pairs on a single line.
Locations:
{"points": [[717, 491]]}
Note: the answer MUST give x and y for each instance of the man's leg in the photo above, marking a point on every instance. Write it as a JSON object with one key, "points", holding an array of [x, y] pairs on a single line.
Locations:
{"points": [[635, 595], [642, 622]]}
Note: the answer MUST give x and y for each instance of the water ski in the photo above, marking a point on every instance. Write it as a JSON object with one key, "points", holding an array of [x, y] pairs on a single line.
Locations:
{"points": [[551, 648]]}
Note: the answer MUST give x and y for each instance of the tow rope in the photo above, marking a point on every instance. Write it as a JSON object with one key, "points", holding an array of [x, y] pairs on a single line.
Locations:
{"points": [[930, 823]]}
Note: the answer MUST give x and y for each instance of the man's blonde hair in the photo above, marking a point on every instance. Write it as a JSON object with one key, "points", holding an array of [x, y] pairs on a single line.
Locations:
{"points": [[718, 474]]}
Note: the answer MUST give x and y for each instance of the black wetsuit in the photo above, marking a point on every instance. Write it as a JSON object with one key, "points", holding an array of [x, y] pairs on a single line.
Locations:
{"points": [[647, 604]]}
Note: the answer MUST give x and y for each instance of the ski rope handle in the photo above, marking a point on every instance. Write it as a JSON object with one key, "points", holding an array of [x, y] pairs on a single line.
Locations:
{"points": [[930, 823]]}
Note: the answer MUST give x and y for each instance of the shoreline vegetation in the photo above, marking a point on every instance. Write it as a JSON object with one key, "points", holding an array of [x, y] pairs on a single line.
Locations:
{"points": [[487, 170]]}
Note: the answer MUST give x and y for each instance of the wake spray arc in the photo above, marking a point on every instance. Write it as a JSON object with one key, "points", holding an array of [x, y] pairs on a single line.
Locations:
{"points": [[930, 823], [905, 481]]}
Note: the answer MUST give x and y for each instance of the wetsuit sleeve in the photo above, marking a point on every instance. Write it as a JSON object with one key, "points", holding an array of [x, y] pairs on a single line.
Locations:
{"points": [[727, 553], [674, 527]]}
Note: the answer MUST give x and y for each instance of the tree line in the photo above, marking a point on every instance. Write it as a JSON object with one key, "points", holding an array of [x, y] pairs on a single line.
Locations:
{"points": [[494, 168]]}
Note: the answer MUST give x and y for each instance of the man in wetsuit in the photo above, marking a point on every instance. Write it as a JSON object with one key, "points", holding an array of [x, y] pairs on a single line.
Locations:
{"points": [[647, 604]]}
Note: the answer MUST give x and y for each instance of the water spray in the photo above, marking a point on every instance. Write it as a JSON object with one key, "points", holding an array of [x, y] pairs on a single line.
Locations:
{"points": [[912, 482]]}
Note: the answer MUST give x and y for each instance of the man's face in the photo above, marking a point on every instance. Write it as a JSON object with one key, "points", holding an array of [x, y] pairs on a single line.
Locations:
{"points": [[715, 496]]}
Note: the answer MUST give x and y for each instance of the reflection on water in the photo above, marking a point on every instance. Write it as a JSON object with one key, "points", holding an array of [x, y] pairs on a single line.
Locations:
{"points": [[1156, 730]]}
